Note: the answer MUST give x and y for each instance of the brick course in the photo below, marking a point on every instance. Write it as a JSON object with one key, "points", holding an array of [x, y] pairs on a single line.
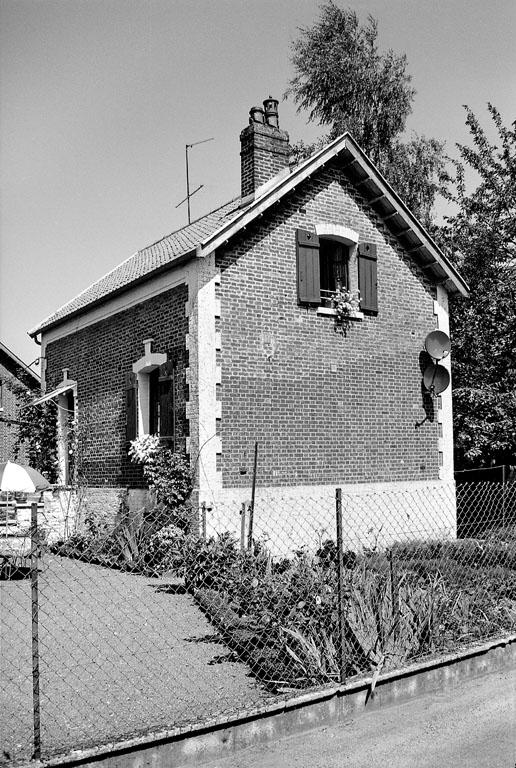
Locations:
{"points": [[315, 425], [99, 357]]}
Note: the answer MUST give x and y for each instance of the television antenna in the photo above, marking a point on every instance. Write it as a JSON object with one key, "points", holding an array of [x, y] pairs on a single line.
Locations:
{"points": [[188, 193]]}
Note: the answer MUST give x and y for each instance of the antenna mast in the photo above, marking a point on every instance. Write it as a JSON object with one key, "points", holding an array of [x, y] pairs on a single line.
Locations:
{"points": [[188, 193]]}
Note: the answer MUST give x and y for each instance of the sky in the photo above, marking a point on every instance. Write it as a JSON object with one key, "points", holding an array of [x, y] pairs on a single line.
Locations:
{"points": [[98, 99]]}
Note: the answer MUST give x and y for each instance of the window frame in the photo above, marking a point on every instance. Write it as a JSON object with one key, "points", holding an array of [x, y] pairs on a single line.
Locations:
{"points": [[326, 253], [349, 238], [148, 376], [158, 379]]}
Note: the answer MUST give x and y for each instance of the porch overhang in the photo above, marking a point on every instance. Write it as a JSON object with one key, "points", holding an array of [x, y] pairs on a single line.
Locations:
{"points": [[66, 386]]}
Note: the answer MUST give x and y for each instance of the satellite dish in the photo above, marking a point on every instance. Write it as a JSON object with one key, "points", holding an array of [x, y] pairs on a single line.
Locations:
{"points": [[438, 344], [436, 378]]}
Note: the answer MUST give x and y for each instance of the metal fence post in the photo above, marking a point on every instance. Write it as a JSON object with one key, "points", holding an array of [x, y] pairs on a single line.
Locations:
{"points": [[251, 506], [503, 496], [340, 584], [242, 526], [395, 595], [36, 710], [203, 521]]}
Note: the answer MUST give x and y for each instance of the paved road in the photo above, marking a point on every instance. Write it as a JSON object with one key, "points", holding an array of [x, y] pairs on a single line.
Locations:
{"points": [[472, 725]]}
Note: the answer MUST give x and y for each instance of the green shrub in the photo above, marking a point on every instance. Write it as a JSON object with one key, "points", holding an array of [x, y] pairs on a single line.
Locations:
{"points": [[168, 474], [165, 549], [283, 618]]}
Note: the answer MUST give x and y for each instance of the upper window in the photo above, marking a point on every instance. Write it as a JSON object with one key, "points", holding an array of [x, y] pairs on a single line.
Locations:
{"points": [[333, 268], [335, 259]]}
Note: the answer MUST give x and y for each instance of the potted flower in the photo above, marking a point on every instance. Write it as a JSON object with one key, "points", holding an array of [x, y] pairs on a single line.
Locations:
{"points": [[345, 303]]}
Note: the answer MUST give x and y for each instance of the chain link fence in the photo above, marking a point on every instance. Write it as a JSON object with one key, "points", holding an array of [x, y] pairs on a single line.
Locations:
{"points": [[114, 631]]}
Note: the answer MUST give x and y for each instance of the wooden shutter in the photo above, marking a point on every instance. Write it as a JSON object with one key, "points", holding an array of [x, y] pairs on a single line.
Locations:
{"points": [[367, 281], [308, 272], [131, 407], [167, 426]]}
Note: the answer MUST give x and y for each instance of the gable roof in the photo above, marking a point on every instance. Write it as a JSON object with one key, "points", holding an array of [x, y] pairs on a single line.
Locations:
{"points": [[203, 236], [164, 253]]}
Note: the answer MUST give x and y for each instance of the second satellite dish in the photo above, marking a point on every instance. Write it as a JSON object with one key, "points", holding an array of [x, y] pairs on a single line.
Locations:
{"points": [[436, 378], [438, 345]]}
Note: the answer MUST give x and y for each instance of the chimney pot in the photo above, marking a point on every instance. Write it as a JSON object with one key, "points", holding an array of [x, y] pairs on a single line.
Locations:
{"points": [[264, 148], [256, 115], [270, 107]]}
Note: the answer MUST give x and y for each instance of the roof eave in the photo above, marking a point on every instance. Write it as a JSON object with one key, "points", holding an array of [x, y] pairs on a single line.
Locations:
{"points": [[18, 363], [450, 278], [453, 281], [65, 386], [178, 260]]}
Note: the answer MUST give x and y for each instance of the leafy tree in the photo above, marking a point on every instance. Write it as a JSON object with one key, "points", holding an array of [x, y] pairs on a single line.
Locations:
{"points": [[418, 173], [36, 431], [482, 237], [347, 84]]}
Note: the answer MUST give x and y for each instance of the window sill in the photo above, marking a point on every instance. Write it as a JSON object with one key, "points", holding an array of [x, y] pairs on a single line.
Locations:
{"points": [[333, 312]]}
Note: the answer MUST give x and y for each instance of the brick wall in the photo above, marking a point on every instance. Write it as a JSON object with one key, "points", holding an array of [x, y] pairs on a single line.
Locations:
{"points": [[9, 410], [98, 358], [325, 408]]}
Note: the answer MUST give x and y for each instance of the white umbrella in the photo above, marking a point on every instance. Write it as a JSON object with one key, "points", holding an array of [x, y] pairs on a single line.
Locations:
{"points": [[18, 478]]}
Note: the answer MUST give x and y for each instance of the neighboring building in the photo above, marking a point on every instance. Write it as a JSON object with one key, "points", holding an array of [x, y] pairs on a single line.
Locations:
{"points": [[13, 374], [222, 334]]}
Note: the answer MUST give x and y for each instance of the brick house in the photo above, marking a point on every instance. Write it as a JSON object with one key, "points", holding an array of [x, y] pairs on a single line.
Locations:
{"points": [[222, 334], [13, 373]]}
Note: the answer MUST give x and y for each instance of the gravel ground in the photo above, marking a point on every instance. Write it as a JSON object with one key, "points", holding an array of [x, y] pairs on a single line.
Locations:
{"points": [[120, 655]]}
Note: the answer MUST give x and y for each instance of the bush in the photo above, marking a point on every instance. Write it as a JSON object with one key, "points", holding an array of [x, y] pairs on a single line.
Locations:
{"points": [[140, 542], [167, 472], [272, 614], [165, 549], [149, 541], [282, 618]]}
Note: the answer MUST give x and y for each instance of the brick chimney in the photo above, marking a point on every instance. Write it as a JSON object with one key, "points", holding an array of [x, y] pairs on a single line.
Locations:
{"points": [[265, 148]]}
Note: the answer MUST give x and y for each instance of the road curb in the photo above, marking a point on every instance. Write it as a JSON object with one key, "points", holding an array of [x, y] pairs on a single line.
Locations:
{"points": [[195, 744]]}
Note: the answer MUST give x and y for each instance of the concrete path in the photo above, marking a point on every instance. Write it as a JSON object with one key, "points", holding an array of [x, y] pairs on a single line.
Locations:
{"points": [[472, 725]]}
